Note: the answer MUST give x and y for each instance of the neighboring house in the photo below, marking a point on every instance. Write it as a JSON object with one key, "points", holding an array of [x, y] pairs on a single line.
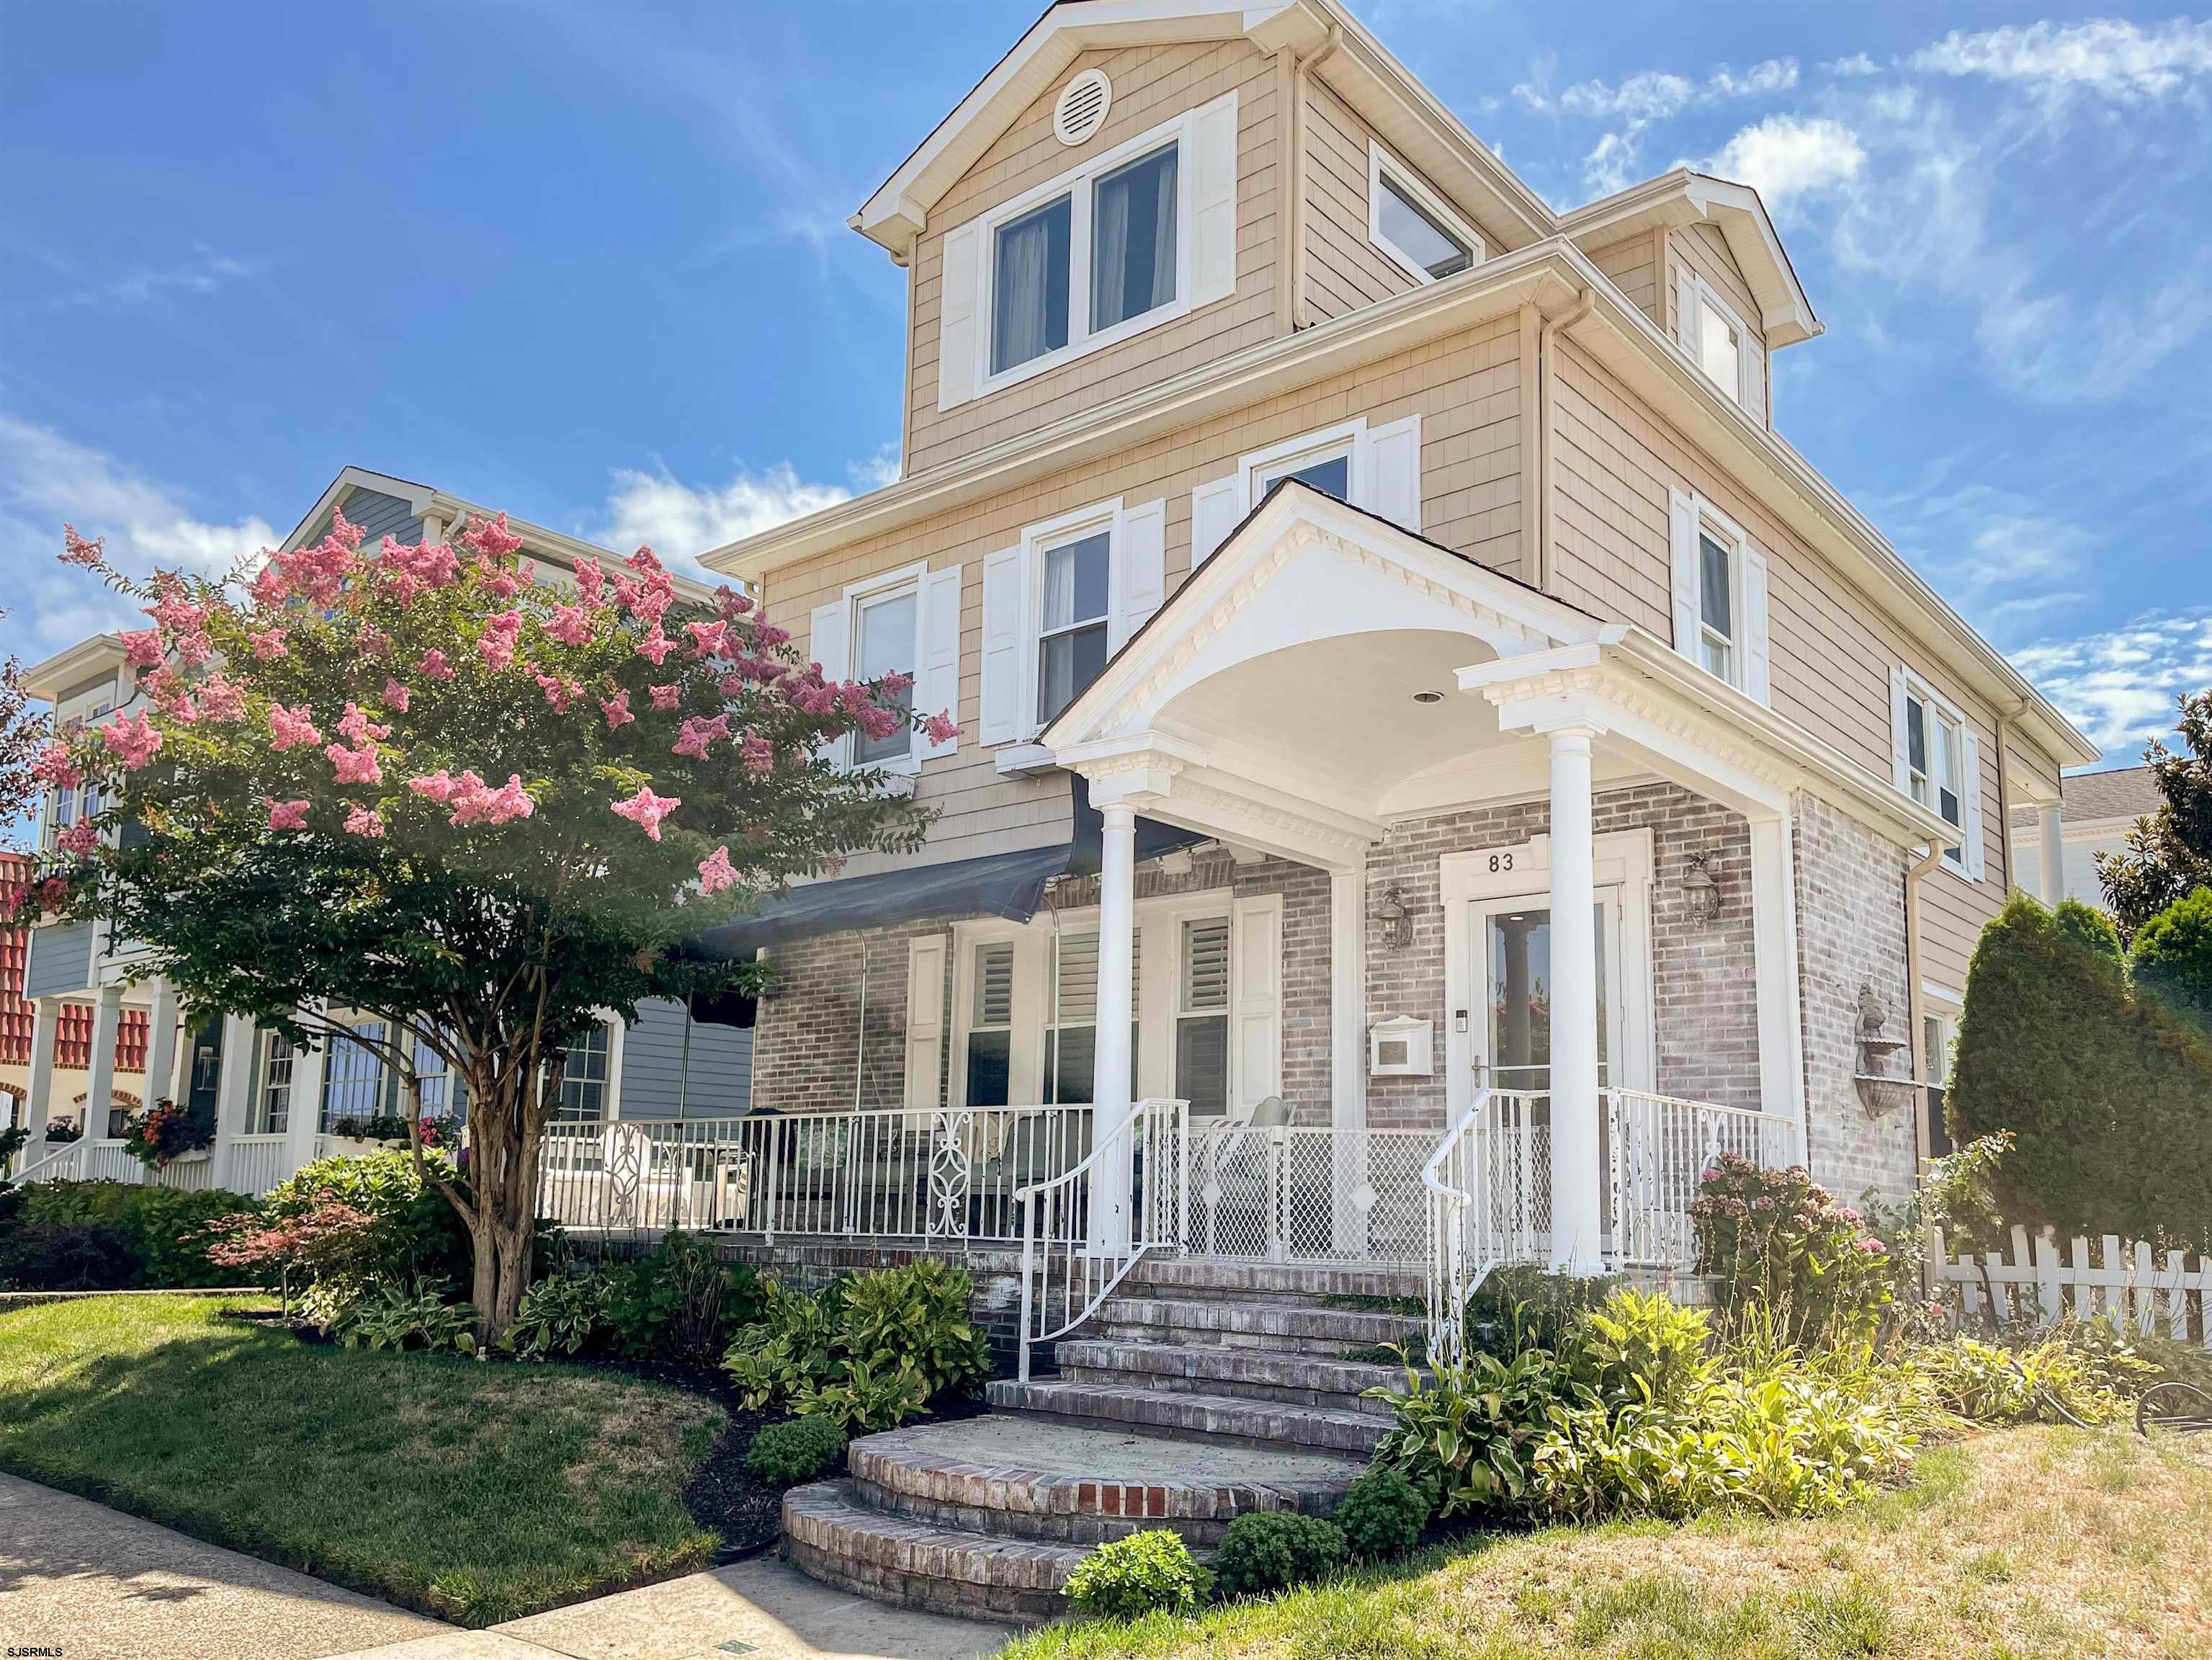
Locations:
{"points": [[272, 1107], [72, 1038], [2098, 810], [1342, 563]]}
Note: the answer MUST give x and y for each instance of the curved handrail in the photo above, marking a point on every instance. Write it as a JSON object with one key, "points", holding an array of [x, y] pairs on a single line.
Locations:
{"points": [[1161, 1124], [63, 1151], [1448, 1202]]}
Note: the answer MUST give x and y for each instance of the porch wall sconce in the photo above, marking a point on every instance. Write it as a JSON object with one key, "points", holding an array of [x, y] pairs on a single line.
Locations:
{"points": [[1702, 888], [1396, 920]]}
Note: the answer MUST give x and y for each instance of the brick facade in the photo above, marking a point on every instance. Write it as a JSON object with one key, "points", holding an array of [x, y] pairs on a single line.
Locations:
{"points": [[1850, 933]]}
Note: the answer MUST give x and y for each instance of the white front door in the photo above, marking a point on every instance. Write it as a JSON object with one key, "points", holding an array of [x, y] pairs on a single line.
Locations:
{"points": [[1511, 938]]}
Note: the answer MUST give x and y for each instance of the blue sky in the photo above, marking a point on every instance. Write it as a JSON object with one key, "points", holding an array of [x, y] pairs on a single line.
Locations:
{"points": [[590, 264]]}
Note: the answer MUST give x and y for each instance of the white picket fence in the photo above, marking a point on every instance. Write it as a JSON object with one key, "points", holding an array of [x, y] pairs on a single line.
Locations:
{"points": [[2041, 1283]]}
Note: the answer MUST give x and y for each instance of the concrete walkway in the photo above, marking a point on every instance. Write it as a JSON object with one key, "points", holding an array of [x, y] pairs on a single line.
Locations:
{"points": [[93, 1584]]}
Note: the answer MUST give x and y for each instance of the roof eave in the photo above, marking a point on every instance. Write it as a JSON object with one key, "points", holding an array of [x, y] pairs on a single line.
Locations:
{"points": [[48, 678]]}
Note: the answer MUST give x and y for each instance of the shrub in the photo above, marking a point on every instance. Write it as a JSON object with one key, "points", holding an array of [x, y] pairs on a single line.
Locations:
{"points": [[917, 1313], [414, 1234], [1640, 1347], [162, 1230], [1126, 1579], [1265, 1551], [1521, 1307], [1382, 1514], [331, 1239], [797, 1450], [2172, 958], [681, 1302], [1777, 1238], [2092, 930], [46, 1256], [1461, 1433], [411, 1314], [2102, 1088], [562, 1314]]}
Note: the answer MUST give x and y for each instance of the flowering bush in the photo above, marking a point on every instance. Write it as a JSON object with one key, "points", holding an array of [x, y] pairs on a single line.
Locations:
{"points": [[164, 1131], [1779, 1238], [423, 784], [329, 1238]]}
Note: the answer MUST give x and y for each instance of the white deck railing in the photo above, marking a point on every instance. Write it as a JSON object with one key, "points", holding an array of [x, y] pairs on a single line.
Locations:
{"points": [[258, 1163], [1657, 1148], [1305, 1194]]}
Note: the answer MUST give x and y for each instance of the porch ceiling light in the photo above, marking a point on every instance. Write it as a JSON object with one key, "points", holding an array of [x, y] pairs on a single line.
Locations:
{"points": [[1428, 697]]}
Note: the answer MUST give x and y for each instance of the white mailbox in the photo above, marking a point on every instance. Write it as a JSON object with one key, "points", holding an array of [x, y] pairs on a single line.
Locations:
{"points": [[1398, 1045]]}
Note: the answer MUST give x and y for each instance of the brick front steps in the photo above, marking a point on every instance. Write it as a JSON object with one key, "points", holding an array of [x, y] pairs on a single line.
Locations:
{"points": [[1203, 1391]]}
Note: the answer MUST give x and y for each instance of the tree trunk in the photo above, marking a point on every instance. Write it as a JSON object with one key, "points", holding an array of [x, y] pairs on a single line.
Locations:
{"points": [[506, 1126]]}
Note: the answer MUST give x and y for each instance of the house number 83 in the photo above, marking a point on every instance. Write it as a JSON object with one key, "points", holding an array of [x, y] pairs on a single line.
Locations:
{"points": [[1501, 861]]}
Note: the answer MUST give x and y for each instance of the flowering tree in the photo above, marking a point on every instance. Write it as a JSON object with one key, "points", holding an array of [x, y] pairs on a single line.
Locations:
{"points": [[23, 732], [417, 782]]}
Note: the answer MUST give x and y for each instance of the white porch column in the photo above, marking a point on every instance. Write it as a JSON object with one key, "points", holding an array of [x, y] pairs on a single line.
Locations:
{"points": [[1347, 1052], [233, 1094], [39, 1089], [161, 1044], [304, 1105], [1774, 956], [100, 1067], [1110, 1077], [1577, 1179], [2052, 853]]}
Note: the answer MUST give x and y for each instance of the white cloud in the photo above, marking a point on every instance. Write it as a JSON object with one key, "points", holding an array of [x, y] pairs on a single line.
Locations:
{"points": [[1641, 99], [204, 273], [657, 510], [2120, 686], [2109, 57], [1858, 64], [46, 480], [1786, 156]]}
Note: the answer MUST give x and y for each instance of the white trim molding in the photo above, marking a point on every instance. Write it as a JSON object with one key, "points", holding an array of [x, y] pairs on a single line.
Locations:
{"points": [[1415, 192]]}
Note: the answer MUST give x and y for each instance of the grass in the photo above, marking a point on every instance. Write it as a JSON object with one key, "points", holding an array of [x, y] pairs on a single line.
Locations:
{"points": [[2042, 1543], [476, 1492]]}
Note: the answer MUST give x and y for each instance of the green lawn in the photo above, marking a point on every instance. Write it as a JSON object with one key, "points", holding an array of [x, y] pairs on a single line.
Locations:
{"points": [[2034, 1544], [476, 1491]]}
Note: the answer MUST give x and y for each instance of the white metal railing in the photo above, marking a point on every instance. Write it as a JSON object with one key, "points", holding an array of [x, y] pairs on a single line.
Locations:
{"points": [[1301, 1194], [62, 1161], [895, 1173], [1657, 1149], [1489, 1199], [257, 1163], [1083, 1229]]}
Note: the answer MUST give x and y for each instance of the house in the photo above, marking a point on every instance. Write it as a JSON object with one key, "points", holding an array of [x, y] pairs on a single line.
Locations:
{"points": [[1343, 564], [273, 1108], [2058, 858], [72, 1036]]}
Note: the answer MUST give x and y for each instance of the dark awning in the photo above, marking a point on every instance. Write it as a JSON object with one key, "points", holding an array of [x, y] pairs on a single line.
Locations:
{"points": [[1009, 885]]}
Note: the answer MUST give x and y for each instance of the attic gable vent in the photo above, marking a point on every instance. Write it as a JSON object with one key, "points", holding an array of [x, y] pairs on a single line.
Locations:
{"points": [[1081, 106]]}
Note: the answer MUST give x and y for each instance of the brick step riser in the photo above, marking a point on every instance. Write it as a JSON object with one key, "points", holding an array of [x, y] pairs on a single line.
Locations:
{"points": [[830, 1535], [1178, 1414], [1194, 1320], [1057, 1529], [1210, 1337], [918, 1591], [1172, 1431], [1277, 1281], [1279, 1393]]}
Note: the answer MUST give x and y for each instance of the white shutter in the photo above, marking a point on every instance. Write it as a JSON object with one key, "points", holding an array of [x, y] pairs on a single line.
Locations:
{"points": [[937, 681], [959, 287], [1969, 815], [1394, 472], [1900, 755], [925, 1021], [1256, 1002], [1215, 510], [1754, 378], [830, 642], [1685, 310], [1139, 572], [1213, 202], [1006, 614], [1757, 657], [1682, 540]]}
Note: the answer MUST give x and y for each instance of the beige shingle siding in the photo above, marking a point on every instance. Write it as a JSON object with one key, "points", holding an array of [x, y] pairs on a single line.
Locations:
{"points": [[1343, 269], [1468, 392], [1633, 266], [1151, 84]]}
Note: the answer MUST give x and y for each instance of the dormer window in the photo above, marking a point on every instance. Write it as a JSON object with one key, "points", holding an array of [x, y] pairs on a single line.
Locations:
{"points": [[1412, 225], [1720, 347]]}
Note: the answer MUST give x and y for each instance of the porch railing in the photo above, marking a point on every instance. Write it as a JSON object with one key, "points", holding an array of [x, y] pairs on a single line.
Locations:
{"points": [[1657, 1147], [1083, 1229], [258, 1163], [1305, 1194], [895, 1173]]}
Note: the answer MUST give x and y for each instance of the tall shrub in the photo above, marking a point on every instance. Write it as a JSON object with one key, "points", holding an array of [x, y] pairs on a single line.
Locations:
{"points": [[2172, 958], [2105, 1091]]}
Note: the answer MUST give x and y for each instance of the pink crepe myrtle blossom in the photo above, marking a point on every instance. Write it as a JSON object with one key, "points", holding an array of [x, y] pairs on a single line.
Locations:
{"points": [[437, 786], [570, 624], [497, 641], [268, 644], [79, 839], [698, 735], [55, 768], [896, 682], [731, 604], [374, 642], [716, 873], [289, 728], [220, 701], [767, 637], [665, 698], [708, 639], [396, 695], [879, 722], [940, 729], [646, 810], [179, 709], [501, 584], [433, 665], [141, 648], [76, 551], [132, 740], [53, 893], [616, 709], [356, 727], [758, 755], [591, 582], [192, 647], [286, 815], [175, 614], [365, 821], [356, 766], [474, 801], [655, 647], [269, 586], [489, 538], [560, 691]]}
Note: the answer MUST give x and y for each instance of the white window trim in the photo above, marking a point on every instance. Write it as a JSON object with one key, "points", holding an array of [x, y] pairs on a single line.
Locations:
{"points": [[1710, 520], [883, 585], [1159, 991], [1702, 294], [1075, 184], [1036, 540], [1348, 439], [1402, 177], [1961, 862]]}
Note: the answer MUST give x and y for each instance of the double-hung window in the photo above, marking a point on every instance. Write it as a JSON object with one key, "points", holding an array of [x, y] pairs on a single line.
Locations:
{"points": [[1074, 589], [1412, 225], [1202, 1024], [885, 632], [584, 1078], [1935, 762], [272, 1108], [1716, 607], [353, 1076], [991, 1026], [1071, 1037], [1720, 583], [445, 1091]]}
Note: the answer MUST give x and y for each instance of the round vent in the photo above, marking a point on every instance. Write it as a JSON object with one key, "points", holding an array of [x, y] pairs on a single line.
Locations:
{"points": [[1081, 106]]}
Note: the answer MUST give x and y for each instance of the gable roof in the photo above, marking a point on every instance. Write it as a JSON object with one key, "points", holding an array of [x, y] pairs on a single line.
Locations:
{"points": [[2125, 794]]}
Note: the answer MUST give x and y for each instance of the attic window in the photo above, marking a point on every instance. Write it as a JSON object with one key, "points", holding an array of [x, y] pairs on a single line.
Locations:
{"points": [[1081, 108]]}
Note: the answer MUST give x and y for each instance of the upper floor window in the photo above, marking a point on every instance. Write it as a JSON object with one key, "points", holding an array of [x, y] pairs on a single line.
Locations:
{"points": [[1720, 342], [1716, 605], [1719, 595], [1072, 624], [1326, 467], [1720, 347], [885, 640], [1136, 236], [1412, 225], [904, 621], [1938, 764]]}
